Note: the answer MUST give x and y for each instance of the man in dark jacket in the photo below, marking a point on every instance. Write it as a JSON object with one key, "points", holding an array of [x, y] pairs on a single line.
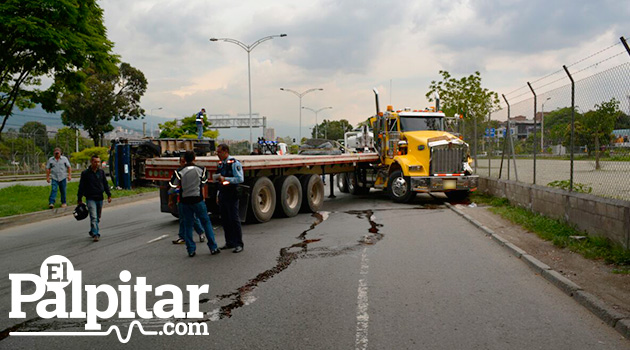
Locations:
{"points": [[92, 185]]}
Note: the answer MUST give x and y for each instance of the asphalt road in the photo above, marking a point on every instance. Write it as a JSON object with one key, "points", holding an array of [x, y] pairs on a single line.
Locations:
{"points": [[365, 274]]}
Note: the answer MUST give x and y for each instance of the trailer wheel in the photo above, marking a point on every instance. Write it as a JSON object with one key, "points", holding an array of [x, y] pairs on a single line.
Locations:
{"points": [[342, 182], [399, 188], [312, 193], [288, 196], [353, 185], [262, 201]]}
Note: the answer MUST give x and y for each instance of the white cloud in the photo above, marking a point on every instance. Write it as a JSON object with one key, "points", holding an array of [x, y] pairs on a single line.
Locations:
{"points": [[346, 47]]}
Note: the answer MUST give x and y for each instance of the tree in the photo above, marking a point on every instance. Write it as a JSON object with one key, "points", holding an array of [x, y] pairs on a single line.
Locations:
{"points": [[558, 126], [623, 122], [464, 96], [66, 139], [599, 124], [85, 156], [37, 132], [332, 129], [107, 96], [187, 128], [55, 38]]}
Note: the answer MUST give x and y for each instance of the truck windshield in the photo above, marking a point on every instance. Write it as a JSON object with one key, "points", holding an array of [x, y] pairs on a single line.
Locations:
{"points": [[416, 123]]}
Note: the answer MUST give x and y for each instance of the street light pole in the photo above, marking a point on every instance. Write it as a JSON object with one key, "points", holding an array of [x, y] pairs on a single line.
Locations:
{"points": [[151, 115], [316, 112], [542, 126], [249, 49], [300, 95]]}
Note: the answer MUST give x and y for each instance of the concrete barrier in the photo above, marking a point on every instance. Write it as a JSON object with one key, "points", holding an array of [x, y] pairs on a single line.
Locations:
{"points": [[595, 215]]}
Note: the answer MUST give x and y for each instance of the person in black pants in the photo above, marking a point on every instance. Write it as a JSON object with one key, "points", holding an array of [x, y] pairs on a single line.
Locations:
{"points": [[92, 185], [230, 173]]}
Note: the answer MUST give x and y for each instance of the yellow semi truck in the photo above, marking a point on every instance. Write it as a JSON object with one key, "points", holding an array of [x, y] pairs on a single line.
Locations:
{"points": [[416, 154]]}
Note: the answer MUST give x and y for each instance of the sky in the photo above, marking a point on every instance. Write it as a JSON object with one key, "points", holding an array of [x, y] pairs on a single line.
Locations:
{"points": [[346, 47]]}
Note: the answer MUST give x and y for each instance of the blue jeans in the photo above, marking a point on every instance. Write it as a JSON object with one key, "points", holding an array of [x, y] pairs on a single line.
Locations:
{"points": [[199, 210], [196, 223], [199, 131], [53, 192], [95, 208]]}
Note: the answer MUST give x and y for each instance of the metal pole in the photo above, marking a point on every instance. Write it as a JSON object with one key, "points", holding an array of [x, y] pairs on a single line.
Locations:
{"points": [[300, 133], [475, 132], [490, 144], [534, 143], [572, 123], [316, 128], [509, 133], [625, 44], [249, 80]]}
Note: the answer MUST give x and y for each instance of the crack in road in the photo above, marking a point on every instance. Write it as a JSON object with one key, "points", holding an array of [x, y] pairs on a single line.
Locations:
{"points": [[242, 296]]}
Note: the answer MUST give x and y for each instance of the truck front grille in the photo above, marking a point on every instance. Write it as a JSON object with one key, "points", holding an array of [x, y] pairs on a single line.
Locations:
{"points": [[448, 159]]}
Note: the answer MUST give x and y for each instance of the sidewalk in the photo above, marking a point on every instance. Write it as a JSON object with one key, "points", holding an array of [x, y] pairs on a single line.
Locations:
{"points": [[15, 220], [591, 283]]}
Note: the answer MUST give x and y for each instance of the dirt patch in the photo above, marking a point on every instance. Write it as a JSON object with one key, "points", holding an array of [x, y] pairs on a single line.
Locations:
{"points": [[594, 276]]}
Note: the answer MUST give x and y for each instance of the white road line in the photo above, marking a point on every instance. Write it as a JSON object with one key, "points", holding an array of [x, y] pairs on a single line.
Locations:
{"points": [[363, 318], [157, 239]]}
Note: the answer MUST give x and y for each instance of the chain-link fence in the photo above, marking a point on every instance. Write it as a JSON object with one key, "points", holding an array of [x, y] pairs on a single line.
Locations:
{"points": [[569, 129], [27, 153]]}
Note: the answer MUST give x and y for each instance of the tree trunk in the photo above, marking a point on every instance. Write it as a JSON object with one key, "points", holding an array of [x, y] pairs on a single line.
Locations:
{"points": [[597, 167]]}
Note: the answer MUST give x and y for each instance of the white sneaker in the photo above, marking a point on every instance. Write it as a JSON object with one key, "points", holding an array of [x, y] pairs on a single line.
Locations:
{"points": [[202, 238]]}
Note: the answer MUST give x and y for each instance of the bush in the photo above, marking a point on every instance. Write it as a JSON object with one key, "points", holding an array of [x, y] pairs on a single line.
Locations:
{"points": [[84, 156], [577, 187]]}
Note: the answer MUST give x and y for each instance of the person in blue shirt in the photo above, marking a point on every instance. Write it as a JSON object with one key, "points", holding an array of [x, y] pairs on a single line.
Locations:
{"points": [[230, 173], [199, 122]]}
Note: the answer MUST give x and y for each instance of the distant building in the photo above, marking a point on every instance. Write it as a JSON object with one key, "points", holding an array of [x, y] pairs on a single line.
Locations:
{"points": [[521, 126], [270, 134]]}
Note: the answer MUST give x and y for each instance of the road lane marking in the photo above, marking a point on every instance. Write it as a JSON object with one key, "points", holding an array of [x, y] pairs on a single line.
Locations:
{"points": [[157, 239], [363, 318]]}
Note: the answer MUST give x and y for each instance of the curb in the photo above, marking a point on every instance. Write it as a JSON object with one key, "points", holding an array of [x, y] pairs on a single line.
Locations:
{"points": [[620, 322], [16, 220]]}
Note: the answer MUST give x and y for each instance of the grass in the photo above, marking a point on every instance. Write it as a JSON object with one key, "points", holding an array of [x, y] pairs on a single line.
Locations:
{"points": [[20, 199], [559, 233]]}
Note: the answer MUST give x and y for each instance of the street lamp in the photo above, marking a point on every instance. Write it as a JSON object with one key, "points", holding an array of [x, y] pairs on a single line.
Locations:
{"points": [[542, 126], [300, 95], [316, 112], [249, 49], [144, 124]]}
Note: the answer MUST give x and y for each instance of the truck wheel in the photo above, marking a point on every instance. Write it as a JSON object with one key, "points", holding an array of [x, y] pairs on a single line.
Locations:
{"points": [[457, 195], [262, 201], [353, 185], [342, 182], [399, 188], [288, 196], [312, 193]]}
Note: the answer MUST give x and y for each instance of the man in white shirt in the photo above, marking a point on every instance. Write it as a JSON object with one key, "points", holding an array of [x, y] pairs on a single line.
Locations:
{"points": [[58, 168]]}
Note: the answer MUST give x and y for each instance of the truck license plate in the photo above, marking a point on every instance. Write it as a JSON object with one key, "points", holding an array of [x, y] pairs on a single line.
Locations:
{"points": [[449, 184]]}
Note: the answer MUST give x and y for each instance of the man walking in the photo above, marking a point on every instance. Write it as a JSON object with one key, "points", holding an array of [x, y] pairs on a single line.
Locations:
{"points": [[191, 179], [58, 168], [92, 185], [199, 122], [230, 175]]}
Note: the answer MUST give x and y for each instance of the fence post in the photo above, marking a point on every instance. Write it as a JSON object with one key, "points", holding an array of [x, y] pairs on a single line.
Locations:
{"points": [[625, 44], [572, 124], [535, 127], [509, 133], [490, 145]]}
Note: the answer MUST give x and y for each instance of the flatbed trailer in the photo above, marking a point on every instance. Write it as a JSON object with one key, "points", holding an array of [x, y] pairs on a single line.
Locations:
{"points": [[274, 185]]}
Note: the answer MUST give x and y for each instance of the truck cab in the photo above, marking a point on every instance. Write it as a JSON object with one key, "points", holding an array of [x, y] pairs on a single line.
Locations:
{"points": [[416, 155]]}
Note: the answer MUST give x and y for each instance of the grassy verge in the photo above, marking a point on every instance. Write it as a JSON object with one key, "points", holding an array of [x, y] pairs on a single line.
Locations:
{"points": [[21, 199], [559, 233]]}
